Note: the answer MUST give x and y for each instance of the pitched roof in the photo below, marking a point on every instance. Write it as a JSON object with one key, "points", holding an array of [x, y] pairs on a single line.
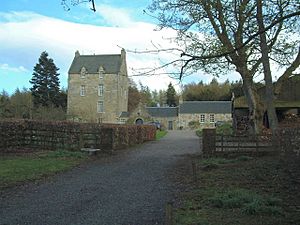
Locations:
{"points": [[124, 114], [205, 107], [163, 111], [110, 63]]}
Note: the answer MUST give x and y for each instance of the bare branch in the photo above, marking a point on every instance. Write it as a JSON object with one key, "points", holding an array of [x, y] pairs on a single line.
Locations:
{"points": [[66, 6], [287, 73]]}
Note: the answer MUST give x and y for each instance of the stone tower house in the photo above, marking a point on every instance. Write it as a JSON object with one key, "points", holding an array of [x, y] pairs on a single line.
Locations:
{"points": [[98, 88]]}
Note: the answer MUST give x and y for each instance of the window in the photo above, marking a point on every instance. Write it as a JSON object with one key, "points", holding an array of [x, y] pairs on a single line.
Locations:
{"points": [[82, 90], [100, 120], [82, 72], [101, 72], [100, 107], [211, 118], [202, 118], [100, 90], [122, 120]]}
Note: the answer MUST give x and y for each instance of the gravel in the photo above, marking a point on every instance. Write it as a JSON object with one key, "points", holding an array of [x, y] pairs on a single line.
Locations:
{"points": [[129, 188]]}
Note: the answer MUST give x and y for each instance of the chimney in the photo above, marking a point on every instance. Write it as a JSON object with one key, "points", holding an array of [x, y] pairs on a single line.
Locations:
{"points": [[77, 54], [123, 53]]}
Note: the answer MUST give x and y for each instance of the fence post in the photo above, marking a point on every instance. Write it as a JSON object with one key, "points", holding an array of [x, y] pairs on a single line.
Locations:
{"points": [[194, 170], [256, 143], [209, 142], [80, 140], [222, 142]]}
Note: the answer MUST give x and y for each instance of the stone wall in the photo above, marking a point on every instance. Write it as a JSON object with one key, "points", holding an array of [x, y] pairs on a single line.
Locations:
{"points": [[184, 119]]}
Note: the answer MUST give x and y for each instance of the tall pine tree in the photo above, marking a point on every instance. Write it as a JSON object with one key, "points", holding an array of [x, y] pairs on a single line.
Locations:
{"points": [[45, 82], [171, 95]]}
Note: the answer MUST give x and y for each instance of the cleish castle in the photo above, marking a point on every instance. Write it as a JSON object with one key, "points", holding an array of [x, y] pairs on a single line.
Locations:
{"points": [[98, 88]]}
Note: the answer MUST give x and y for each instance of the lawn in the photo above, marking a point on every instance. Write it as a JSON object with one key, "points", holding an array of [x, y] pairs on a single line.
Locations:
{"points": [[20, 168], [160, 134], [244, 190]]}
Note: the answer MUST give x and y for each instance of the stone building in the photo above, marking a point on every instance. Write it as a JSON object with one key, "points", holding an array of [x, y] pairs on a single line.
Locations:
{"points": [[203, 114], [188, 115], [98, 88]]}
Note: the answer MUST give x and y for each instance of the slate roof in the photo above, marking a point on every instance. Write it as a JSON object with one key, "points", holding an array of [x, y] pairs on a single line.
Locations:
{"points": [[190, 107], [110, 63], [163, 111], [124, 114]]}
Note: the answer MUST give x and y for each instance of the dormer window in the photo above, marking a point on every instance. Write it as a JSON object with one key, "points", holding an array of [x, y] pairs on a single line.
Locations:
{"points": [[101, 72], [83, 72]]}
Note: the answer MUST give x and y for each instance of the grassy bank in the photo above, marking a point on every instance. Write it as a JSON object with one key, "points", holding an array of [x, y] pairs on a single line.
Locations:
{"points": [[160, 134], [21, 168], [244, 191]]}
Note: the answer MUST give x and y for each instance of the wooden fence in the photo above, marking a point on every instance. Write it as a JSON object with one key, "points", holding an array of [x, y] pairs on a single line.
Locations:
{"points": [[285, 140], [28, 134], [243, 143], [223, 145]]}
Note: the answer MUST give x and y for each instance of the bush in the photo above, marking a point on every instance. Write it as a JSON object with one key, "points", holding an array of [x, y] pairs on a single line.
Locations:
{"points": [[194, 124], [199, 133], [225, 129]]}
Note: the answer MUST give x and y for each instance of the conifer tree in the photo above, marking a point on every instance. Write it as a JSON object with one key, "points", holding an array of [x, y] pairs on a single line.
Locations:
{"points": [[171, 95], [45, 82]]}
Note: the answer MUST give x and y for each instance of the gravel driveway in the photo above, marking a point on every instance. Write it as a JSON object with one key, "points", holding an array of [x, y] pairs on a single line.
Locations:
{"points": [[129, 188]]}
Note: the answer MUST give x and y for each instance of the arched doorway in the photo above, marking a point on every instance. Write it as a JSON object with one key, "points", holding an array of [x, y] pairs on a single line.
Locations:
{"points": [[139, 121]]}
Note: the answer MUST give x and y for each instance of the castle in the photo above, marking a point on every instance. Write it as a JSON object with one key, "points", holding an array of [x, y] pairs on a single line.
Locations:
{"points": [[98, 88]]}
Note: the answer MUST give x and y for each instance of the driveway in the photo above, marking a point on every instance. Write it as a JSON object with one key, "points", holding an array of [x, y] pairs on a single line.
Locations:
{"points": [[129, 188]]}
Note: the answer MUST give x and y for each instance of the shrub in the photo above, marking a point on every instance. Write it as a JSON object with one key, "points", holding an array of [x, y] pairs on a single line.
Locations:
{"points": [[194, 124], [225, 129]]}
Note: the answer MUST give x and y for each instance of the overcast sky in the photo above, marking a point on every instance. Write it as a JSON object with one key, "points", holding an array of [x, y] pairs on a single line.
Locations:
{"points": [[29, 27]]}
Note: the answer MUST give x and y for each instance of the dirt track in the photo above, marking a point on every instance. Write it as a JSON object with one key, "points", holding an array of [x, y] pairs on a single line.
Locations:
{"points": [[130, 188]]}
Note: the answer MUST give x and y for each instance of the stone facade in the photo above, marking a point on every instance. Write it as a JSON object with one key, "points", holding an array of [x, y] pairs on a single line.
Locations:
{"points": [[188, 115], [203, 114], [169, 123], [97, 88], [202, 120]]}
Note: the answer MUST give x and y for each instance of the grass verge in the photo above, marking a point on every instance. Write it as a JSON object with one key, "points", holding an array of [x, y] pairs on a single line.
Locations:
{"points": [[18, 169], [160, 134], [241, 190]]}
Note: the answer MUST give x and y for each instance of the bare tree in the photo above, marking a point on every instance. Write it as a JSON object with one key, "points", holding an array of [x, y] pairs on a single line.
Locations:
{"points": [[241, 35], [269, 95]]}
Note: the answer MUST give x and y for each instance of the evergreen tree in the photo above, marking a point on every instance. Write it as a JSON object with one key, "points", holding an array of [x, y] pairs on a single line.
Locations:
{"points": [[171, 95], [45, 82], [5, 105]]}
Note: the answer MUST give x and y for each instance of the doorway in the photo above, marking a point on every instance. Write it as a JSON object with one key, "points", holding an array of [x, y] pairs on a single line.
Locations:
{"points": [[139, 121], [170, 125]]}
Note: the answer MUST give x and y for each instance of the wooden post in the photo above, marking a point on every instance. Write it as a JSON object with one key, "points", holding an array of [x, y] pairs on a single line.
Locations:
{"points": [[256, 143], [209, 142], [52, 140], [222, 142], [80, 140], [194, 171]]}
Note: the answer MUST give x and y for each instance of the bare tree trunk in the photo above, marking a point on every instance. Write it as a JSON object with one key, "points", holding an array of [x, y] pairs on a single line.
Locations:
{"points": [[269, 98], [255, 108]]}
